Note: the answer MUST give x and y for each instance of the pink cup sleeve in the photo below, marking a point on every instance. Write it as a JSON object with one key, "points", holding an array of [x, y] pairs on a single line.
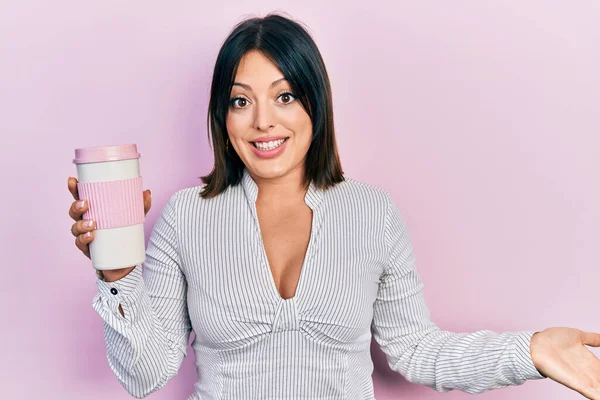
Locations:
{"points": [[113, 204]]}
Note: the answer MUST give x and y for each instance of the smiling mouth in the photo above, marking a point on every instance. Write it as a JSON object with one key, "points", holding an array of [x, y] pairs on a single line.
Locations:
{"points": [[265, 146]]}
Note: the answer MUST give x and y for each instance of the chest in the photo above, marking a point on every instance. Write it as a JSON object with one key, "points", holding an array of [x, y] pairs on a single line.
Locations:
{"points": [[285, 237], [251, 274]]}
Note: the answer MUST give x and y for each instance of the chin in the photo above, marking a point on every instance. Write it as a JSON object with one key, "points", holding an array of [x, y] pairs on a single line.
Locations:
{"points": [[271, 169]]}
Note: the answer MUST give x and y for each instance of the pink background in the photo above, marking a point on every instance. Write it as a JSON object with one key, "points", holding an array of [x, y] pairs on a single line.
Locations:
{"points": [[481, 118]]}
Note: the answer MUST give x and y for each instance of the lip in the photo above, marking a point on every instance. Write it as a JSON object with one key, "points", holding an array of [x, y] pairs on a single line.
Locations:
{"points": [[268, 138], [268, 153]]}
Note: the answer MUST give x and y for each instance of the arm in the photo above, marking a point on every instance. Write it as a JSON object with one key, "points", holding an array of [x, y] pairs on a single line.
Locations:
{"points": [[421, 352], [146, 344]]}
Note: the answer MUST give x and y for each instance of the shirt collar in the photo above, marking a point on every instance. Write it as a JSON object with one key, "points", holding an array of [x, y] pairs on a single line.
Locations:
{"points": [[312, 198]]}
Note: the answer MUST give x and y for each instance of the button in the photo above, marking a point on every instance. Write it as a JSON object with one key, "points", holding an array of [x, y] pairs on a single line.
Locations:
{"points": [[114, 291]]}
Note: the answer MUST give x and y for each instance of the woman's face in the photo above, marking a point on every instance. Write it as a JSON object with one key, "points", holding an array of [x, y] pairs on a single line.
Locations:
{"points": [[263, 106]]}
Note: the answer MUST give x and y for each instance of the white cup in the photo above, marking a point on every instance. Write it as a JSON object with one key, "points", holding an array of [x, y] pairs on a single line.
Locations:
{"points": [[110, 181]]}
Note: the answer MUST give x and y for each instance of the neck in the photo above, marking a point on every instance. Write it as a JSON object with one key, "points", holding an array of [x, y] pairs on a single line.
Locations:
{"points": [[283, 190]]}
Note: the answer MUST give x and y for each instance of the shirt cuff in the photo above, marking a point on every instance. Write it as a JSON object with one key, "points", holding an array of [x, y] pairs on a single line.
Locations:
{"points": [[522, 357], [125, 291]]}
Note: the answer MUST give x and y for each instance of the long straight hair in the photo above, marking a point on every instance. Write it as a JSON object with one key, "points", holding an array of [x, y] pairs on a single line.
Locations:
{"points": [[289, 46]]}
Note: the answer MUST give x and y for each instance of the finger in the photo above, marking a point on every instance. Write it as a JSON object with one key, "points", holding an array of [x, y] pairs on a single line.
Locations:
{"points": [[147, 201], [77, 209], [82, 242], [82, 226], [590, 392], [591, 339], [72, 184]]}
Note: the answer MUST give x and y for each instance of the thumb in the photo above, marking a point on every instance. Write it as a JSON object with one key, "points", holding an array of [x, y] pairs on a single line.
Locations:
{"points": [[591, 339], [147, 201]]}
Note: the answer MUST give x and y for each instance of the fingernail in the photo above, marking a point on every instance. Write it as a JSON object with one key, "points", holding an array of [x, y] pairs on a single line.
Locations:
{"points": [[150, 190], [80, 204], [87, 235], [88, 223]]}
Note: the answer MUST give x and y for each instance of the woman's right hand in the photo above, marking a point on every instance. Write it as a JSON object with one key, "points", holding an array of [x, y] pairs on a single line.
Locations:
{"points": [[83, 230]]}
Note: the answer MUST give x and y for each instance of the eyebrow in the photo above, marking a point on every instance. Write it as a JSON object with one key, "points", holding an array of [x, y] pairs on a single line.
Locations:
{"points": [[247, 87]]}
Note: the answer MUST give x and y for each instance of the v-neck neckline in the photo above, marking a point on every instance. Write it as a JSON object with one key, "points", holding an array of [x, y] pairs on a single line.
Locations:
{"points": [[312, 199]]}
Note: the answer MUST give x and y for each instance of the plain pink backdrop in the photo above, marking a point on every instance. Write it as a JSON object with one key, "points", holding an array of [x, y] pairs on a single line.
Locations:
{"points": [[480, 117]]}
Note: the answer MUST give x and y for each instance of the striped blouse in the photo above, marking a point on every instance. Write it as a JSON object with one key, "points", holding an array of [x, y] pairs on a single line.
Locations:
{"points": [[206, 270]]}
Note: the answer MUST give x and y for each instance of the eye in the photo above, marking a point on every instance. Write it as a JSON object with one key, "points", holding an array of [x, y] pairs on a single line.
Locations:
{"points": [[242, 102], [287, 96]]}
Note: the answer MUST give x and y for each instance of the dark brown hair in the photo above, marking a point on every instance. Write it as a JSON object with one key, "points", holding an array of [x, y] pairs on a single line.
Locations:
{"points": [[289, 46]]}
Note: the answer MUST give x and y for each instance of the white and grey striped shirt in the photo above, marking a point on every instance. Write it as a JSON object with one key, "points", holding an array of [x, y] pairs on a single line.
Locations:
{"points": [[206, 270]]}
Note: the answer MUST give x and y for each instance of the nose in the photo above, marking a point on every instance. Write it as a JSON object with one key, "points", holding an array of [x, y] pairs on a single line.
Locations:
{"points": [[263, 118]]}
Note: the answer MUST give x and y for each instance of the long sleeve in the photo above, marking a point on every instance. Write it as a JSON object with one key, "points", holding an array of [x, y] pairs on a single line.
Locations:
{"points": [[421, 352], [146, 347]]}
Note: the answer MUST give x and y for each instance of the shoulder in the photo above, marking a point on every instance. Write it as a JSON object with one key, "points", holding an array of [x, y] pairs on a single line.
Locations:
{"points": [[352, 190], [184, 198], [372, 204], [354, 196], [187, 193], [188, 199]]}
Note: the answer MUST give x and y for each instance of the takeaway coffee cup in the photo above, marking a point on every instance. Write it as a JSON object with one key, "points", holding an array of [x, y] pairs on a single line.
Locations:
{"points": [[109, 179]]}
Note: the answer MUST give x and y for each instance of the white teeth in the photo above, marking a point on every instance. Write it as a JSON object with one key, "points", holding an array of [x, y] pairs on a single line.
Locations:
{"points": [[269, 145]]}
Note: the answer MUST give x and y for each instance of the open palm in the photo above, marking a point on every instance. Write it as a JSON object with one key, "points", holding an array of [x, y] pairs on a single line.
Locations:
{"points": [[561, 355]]}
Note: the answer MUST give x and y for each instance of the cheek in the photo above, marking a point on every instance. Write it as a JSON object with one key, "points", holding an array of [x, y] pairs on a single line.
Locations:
{"points": [[235, 124], [306, 130], [300, 123]]}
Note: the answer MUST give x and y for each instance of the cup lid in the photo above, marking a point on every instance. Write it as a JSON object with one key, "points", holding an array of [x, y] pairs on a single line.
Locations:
{"points": [[106, 153]]}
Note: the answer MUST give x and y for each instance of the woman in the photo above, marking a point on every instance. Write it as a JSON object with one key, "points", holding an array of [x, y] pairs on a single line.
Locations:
{"points": [[283, 267]]}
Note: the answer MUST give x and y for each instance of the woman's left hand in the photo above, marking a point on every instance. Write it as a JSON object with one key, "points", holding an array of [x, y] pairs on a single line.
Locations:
{"points": [[561, 355]]}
